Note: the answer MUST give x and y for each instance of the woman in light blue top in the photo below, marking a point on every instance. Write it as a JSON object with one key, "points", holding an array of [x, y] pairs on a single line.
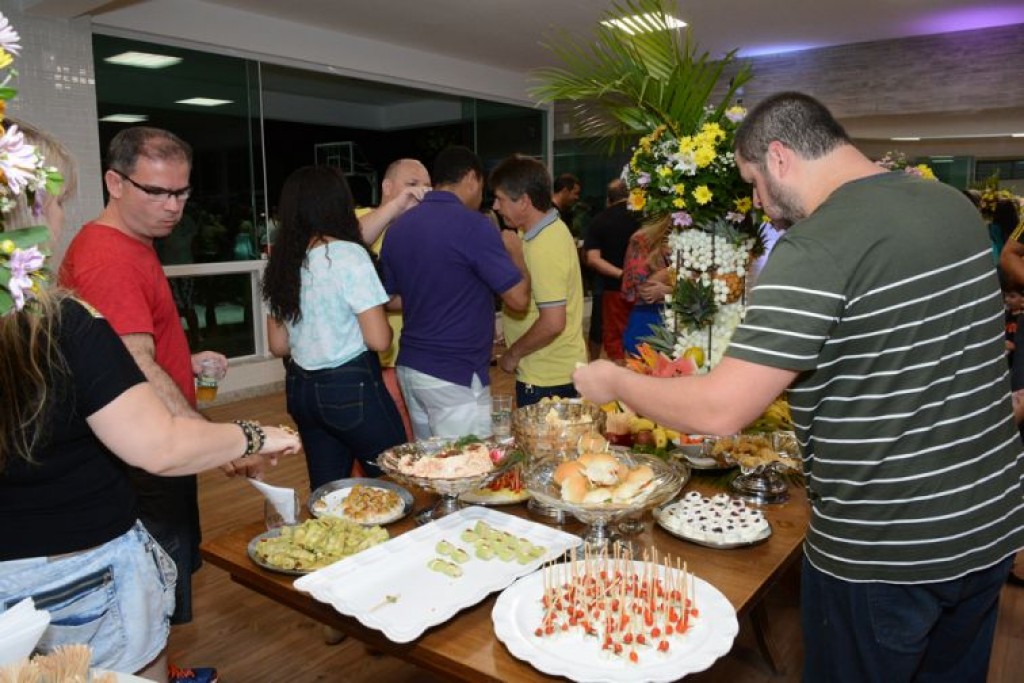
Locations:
{"points": [[327, 308]]}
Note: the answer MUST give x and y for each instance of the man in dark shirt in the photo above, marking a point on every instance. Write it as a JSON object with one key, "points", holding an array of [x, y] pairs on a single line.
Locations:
{"points": [[605, 249], [565, 192]]}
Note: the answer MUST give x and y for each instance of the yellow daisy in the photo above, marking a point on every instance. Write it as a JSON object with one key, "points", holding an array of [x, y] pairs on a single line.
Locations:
{"points": [[702, 194]]}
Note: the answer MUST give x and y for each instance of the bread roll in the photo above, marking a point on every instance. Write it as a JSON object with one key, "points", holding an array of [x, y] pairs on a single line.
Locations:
{"points": [[598, 495], [635, 482], [640, 474], [574, 488], [565, 469], [601, 469]]}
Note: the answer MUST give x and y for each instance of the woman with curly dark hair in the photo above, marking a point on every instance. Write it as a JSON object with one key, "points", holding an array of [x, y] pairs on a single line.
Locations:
{"points": [[327, 311]]}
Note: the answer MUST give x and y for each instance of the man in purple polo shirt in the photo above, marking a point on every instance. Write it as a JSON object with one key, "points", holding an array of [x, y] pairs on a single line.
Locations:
{"points": [[443, 263]]}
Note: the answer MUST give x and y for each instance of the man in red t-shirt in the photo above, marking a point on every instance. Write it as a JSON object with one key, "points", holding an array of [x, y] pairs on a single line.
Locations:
{"points": [[112, 264]]}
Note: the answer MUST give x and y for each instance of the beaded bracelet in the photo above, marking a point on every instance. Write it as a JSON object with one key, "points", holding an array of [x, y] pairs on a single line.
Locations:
{"points": [[255, 437]]}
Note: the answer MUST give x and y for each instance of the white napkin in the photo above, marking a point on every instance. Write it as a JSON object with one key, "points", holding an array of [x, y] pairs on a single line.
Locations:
{"points": [[21, 627], [282, 498]]}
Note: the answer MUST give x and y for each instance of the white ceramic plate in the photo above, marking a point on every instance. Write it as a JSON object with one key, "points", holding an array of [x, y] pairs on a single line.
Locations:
{"points": [[763, 536], [122, 678], [329, 499], [360, 586], [518, 612]]}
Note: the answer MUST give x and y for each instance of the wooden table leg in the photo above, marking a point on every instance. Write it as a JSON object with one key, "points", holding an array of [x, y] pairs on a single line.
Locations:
{"points": [[762, 631]]}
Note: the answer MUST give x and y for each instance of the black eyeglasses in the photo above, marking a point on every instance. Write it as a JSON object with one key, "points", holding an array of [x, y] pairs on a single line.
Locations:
{"points": [[157, 194]]}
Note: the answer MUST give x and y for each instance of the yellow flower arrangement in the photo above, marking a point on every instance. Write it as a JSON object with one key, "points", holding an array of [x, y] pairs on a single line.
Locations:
{"points": [[693, 178]]}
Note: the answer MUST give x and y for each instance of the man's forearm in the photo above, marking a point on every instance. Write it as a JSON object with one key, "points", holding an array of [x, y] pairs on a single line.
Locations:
{"points": [[141, 348], [541, 333], [601, 266], [1011, 260]]}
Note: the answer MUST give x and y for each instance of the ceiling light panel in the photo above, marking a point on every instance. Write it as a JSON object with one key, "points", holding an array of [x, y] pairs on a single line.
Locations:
{"points": [[143, 60], [644, 23], [125, 118], [204, 101]]}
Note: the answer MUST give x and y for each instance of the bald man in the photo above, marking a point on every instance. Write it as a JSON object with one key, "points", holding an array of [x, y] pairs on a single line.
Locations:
{"points": [[400, 174]]}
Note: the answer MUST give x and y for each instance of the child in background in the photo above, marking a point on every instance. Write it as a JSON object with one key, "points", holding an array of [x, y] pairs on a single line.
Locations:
{"points": [[1013, 299]]}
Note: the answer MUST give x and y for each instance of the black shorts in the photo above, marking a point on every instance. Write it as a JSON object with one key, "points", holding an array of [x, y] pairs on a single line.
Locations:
{"points": [[169, 508]]}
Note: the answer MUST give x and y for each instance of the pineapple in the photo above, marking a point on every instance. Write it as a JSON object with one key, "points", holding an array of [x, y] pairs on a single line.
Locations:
{"points": [[694, 303], [735, 284]]}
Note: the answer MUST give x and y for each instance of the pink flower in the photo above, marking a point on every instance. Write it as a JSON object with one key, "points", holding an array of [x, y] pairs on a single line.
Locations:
{"points": [[22, 263], [682, 219], [9, 37], [18, 160]]}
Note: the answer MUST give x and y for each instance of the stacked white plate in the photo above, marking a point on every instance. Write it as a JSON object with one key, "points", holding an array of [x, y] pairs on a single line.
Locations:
{"points": [[21, 627]]}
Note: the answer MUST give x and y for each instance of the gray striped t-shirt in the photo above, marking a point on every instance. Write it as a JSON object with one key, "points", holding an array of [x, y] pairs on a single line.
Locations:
{"points": [[886, 301]]}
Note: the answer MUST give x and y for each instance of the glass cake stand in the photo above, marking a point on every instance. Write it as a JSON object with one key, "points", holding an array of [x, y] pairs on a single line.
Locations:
{"points": [[763, 483], [598, 517], [552, 430], [448, 489]]}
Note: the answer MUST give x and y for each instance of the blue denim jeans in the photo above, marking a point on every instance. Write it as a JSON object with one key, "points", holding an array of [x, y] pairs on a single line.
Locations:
{"points": [[116, 598], [890, 633], [342, 413], [528, 394]]}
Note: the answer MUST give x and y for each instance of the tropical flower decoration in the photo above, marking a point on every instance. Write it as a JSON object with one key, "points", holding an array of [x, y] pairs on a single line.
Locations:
{"points": [[24, 176], [650, 82], [989, 195], [692, 178], [897, 161]]}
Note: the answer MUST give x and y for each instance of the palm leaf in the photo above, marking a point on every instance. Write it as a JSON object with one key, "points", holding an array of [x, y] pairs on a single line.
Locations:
{"points": [[627, 84]]}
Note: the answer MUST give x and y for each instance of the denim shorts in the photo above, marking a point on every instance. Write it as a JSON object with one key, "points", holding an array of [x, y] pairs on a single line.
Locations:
{"points": [[116, 598]]}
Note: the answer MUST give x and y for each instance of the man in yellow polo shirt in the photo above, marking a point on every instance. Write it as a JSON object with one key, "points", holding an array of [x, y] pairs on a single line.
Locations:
{"points": [[399, 175], [546, 342]]}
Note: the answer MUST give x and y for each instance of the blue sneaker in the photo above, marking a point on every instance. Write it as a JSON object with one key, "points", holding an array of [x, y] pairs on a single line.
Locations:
{"points": [[203, 674]]}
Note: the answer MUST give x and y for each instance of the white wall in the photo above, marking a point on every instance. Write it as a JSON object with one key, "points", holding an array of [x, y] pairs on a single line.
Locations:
{"points": [[57, 93]]}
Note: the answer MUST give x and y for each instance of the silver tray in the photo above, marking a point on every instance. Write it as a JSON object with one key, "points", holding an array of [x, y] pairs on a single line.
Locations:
{"points": [[342, 484], [701, 462], [251, 549], [656, 513]]}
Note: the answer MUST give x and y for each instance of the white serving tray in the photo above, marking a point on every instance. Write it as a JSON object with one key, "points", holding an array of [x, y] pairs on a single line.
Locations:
{"points": [[360, 585]]}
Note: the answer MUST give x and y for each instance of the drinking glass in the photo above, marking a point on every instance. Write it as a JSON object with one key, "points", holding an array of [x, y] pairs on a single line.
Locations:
{"points": [[501, 416]]}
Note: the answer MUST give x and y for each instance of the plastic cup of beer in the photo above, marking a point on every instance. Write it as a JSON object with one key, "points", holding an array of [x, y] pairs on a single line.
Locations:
{"points": [[206, 384]]}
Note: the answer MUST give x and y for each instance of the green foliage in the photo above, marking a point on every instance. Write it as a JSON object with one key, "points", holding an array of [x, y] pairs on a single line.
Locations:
{"points": [[694, 303], [627, 84]]}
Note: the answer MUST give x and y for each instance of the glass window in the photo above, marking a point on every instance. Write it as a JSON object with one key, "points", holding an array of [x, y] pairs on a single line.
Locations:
{"points": [[226, 201], [270, 121]]}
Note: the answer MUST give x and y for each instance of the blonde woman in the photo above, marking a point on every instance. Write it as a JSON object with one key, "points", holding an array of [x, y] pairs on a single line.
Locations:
{"points": [[645, 280], [74, 408]]}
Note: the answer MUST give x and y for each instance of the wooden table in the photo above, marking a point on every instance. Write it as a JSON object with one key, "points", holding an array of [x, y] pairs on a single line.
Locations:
{"points": [[466, 649]]}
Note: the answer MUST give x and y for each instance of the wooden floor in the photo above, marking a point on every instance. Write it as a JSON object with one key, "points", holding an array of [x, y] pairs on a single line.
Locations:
{"points": [[251, 639]]}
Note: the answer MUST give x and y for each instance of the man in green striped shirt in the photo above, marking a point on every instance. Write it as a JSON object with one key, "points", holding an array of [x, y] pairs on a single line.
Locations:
{"points": [[879, 310]]}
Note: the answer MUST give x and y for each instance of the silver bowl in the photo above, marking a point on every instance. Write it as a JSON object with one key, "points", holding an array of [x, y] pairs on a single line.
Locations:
{"points": [[448, 488], [763, 482], [667, 482]]}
